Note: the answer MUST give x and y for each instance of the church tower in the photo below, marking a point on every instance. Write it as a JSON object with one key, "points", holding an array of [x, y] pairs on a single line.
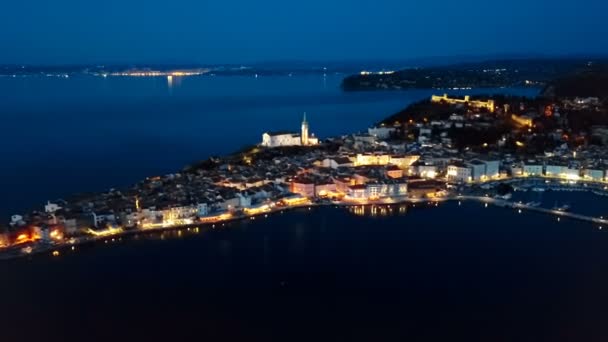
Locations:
{"points": [[304, 131]]}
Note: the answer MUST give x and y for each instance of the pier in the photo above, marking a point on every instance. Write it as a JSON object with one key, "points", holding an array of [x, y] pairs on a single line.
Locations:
{"points": [[515, 205]]}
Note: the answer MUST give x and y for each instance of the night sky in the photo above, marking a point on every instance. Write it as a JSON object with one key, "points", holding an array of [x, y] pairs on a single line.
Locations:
{"points": [[234, 31]]}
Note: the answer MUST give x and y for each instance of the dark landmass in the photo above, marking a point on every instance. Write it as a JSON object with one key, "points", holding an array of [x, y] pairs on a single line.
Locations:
{"points": [[589, 82], [125, 69], [261, 69], [575, 105], [489, 74]]}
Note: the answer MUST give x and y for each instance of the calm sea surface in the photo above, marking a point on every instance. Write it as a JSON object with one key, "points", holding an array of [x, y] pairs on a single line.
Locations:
{"points": [[421, 273], [59, 136], [447, 273]]}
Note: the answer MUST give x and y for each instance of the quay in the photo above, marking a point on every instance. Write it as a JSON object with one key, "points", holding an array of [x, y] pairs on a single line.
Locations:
{"points": [[55, 248], [515, 205]]}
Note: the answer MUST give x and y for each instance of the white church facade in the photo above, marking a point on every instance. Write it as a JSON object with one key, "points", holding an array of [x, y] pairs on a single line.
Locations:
{"points": [[277, 139]]}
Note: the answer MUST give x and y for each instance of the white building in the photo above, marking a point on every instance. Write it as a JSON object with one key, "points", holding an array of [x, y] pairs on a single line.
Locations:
{"points": [[572, 173], [459, 173], [179, 213], [16, 219], [492, 168], [381, 132], [244, 200], [533, 169], [593, 174], [427, 171], [377, 190], [50, 208], [277, 139], [554, 170], [478, 170]]}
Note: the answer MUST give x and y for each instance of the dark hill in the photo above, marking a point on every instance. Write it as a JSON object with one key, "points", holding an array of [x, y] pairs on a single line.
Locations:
{"points": [[588, 83]]}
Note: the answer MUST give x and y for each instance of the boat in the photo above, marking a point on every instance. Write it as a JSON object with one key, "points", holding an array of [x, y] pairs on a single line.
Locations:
{"points": [[504, 197], [564, 207]]}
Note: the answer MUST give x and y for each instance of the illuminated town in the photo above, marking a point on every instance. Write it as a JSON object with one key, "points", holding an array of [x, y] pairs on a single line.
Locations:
{"points": [[432, 155]]}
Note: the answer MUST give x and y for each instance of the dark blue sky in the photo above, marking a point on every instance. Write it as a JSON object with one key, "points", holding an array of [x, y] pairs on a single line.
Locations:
{"points": [[233, 31]]}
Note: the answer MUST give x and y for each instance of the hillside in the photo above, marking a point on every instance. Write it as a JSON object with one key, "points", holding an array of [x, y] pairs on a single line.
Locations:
{"points": [[489, 74], [588, 83]]}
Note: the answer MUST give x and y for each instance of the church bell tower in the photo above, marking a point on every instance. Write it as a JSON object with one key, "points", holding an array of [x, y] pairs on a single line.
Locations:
{"points": [[304, 131]]}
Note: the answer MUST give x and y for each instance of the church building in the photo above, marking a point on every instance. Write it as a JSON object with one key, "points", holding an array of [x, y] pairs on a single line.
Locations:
{"points": [[276, 139]]}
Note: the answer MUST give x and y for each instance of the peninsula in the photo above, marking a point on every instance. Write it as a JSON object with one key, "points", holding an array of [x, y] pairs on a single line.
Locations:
{"points": [[442, 148], [488, 74]]}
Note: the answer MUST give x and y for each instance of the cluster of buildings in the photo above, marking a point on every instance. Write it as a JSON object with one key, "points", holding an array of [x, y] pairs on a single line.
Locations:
{"points": [[358, 168], [254, 182]]}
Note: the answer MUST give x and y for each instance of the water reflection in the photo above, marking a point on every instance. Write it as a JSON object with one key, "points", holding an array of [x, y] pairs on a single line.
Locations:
{"points": [[381, 210], [168, 234], [172, 82]]}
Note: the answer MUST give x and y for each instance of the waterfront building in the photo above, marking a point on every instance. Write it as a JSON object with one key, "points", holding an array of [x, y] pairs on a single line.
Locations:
{"points": [[478, 170], [517, 170], [492, 168], [426, 188], [383, 190], [572, 173], [323, 189], [593, 174], [304, 187], [179, 213], [295, 199], [357, 191], [532, 169], [459, 172], [489, 104], [376, 190], [555, 170]]}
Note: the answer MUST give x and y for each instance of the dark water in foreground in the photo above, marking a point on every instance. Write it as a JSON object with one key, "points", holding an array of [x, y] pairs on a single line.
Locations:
{"points": [[431, 274], [61, 136]]}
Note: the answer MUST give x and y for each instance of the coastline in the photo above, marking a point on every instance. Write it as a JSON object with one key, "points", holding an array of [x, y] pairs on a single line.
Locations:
{"points": [[57, 250]]}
